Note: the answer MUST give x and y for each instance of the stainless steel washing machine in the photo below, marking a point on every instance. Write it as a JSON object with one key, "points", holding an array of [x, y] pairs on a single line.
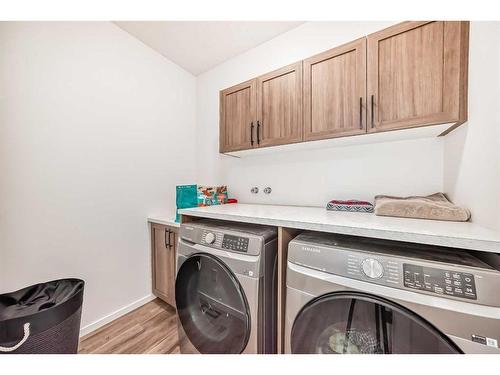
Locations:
{"points": [[225, 288], [353, 295]]}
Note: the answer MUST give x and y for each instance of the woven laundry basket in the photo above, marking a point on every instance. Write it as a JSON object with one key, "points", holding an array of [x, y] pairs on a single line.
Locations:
{"points": [[42, 319]]}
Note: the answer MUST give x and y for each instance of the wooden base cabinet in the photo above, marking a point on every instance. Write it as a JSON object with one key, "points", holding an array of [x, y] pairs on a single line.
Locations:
{"points": [[164, 245], [417, 75]]}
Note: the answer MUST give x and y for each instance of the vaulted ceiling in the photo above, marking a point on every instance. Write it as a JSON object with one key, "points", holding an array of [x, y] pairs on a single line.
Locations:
{"points": [[199, 46]]}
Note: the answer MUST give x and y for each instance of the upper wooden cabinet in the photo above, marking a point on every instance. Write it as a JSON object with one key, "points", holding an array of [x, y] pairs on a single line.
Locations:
{"points": [[266, 111], [335, 92], [279, 106], [417, 75], [412, 74], [237, 116]]}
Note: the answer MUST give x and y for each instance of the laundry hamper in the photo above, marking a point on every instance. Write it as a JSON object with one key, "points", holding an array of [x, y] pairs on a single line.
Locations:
{"points": [[42, 318]]}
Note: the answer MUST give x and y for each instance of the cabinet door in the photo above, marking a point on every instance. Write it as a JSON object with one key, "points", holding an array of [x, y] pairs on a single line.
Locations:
{"points": [[173, 263], [417, 75], [335, 92], [238, 117], [163, 263], [279, 106]]}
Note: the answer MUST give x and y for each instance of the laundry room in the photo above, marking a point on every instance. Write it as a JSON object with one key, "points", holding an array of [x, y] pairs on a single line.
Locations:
{"points": [[197, 180]]}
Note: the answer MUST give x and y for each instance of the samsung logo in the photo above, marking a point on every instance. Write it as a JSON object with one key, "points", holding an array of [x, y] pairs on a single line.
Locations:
{"points": [[311, 249]]}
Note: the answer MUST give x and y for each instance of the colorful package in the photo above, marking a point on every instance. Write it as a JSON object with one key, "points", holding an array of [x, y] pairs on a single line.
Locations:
{"points": [[185, 197], [212, 195]]}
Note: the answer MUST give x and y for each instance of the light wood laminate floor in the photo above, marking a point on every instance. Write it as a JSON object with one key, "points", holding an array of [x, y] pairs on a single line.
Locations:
{"points": [[151, 328]]}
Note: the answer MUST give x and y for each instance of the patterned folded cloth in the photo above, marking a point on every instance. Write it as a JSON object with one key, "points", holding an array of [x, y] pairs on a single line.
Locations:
{"points": [[350, 205]]}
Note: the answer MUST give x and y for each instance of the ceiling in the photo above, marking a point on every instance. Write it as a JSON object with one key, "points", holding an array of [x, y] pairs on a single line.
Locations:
{"points": [[199, 46]]}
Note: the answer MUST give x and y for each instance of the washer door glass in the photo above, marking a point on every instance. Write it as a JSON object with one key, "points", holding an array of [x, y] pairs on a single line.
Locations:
{"points": [[211, 305], [357, 323]]}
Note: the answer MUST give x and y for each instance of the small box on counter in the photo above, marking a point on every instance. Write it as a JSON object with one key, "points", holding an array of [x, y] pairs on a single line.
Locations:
{"points": [[188, 196]]}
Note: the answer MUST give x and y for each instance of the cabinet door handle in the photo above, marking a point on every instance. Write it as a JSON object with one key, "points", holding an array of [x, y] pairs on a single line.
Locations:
{"points": [[373, 113], [169, 241], [258, 133], [167, 238], [361, 112], [251, 133]]}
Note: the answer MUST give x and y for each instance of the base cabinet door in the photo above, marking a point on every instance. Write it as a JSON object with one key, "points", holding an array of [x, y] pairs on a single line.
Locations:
{"points": [[163, 262], [335, 92], [238, 117], [279, 106], [417, 75]]}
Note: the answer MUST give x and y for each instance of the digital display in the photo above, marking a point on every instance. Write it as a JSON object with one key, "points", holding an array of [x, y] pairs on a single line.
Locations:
{"points": [[235, 243], [451, 283]]}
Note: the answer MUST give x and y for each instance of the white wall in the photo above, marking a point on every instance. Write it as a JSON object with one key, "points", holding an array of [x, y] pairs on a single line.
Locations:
{"points": [[309, 177], [472, 152], [96, 129]]}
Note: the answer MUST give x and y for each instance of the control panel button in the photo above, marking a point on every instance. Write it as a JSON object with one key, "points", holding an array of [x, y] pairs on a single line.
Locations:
{"points": [[372, 268], [210, 238]]}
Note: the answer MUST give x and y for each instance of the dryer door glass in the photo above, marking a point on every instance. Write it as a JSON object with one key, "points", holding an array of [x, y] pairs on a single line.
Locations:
{"points": [[344, 323], [211, 305]]}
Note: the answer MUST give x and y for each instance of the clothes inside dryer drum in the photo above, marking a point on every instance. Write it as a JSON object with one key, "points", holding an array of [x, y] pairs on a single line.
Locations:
{"points": [[358, 323], [211, 305]]}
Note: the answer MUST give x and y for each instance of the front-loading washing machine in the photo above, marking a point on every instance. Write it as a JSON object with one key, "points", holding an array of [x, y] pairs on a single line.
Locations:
{"points": [[225, 288], [357, 295]]}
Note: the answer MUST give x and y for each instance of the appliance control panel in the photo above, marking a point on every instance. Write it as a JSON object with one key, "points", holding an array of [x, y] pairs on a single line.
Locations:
{"points": [[235, 243], [379, 270], [440, 281]]}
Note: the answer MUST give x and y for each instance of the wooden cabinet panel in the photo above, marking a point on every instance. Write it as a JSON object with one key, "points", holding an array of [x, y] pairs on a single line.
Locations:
{"points": [[335, 92], [163, 262], [417, 75], [409, 75], [279, 106], [237, 116]]}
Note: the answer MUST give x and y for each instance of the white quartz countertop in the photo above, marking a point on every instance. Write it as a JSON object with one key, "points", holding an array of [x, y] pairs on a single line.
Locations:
{"points": [[164, 221], [442, 233]]}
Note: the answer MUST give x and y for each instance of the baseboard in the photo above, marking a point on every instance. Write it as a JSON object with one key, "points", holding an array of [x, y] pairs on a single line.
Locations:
{"points": [[115, 315]]}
